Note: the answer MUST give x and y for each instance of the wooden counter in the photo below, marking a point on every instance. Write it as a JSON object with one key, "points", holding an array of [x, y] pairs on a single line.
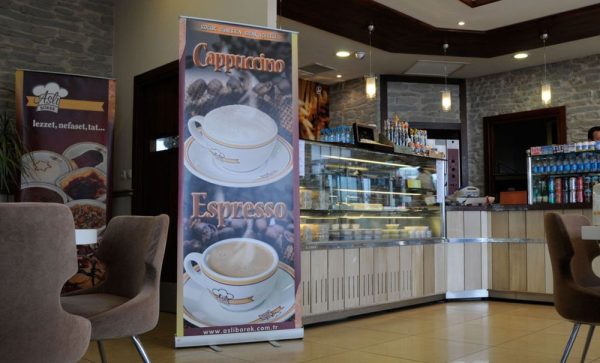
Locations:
{"points": [[340, 282]]}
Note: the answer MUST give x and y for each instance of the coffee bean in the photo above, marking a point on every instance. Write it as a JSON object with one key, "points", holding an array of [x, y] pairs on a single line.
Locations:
{"points": [[260, 225], [263, 88], [235, 85], [214, 87], [203, 232], [196, 89], [239, 225], [273, 233], [192, 245], [226, 233]]}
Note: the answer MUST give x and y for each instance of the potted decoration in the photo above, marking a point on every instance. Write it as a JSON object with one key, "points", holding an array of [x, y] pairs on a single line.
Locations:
{"points": [[11, 151]]}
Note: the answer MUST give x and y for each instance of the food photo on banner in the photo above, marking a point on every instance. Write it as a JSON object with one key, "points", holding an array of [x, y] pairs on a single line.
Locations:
{"points": [[238, 241], [66, 124]]}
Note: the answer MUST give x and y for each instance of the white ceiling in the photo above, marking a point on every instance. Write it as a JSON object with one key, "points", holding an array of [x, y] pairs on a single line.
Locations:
{"points": [[447, 13], [317, 46]]}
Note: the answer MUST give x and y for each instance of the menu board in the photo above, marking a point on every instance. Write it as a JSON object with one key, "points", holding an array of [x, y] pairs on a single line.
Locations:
{"points": [[66, 124], [239, 250]]}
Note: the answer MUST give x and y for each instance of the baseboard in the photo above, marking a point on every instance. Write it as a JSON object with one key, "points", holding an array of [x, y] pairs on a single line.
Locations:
{"points": [[521, 296], [337, 315]]}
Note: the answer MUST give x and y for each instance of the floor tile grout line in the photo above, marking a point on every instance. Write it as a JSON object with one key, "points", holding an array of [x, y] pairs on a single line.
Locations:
{"points": [[466, 355], [356, 350], [368, 345]]}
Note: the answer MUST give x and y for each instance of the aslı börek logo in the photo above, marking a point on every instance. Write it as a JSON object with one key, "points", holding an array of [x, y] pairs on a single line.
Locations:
{"points": [[48, 96]]}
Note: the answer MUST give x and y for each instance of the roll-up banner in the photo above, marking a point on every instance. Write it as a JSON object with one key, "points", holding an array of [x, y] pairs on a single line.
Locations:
{"points": [[66, 123], [239, 252]]}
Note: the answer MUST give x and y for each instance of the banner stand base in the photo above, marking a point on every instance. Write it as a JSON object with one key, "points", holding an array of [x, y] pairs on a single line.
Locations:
{"points": [[219, 339]]}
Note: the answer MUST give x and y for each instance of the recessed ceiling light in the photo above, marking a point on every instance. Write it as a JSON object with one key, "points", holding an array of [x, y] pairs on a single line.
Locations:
{"points": [[338, 76], [520, 56], [342, 53], [461, 23]]}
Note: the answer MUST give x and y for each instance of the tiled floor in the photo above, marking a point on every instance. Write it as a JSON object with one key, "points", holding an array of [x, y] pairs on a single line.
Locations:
{"points": [[445, 332]]}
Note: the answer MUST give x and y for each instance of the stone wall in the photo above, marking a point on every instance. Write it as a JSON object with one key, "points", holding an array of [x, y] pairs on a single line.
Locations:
{"points": [[348, 103], [575, 84], [421, 102], [71, 36]]}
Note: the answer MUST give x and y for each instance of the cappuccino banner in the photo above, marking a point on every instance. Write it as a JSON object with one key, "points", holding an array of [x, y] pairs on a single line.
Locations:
{"points": [[239, 251], [66, 124]]}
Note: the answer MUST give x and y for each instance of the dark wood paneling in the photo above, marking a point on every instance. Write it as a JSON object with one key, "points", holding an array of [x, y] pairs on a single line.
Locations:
{"points": [[476, 3], [556, 113], [399, 33]]}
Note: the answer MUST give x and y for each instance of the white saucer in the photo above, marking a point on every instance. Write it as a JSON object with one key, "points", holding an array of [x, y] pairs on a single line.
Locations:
{"points": [[44, 166], [79, 148], [201, 163], [202, 310]]}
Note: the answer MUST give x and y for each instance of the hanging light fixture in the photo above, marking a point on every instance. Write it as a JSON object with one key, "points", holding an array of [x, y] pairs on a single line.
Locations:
{"points": [[371, 80], [546, 89], [446, 94]]}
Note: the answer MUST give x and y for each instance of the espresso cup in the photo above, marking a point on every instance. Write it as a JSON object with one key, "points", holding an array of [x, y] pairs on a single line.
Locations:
{"points": [[239, 273], [240, 138]]}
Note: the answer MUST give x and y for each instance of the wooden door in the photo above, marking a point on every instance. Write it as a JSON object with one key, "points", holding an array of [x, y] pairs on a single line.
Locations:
{"points": [[155, 173]]}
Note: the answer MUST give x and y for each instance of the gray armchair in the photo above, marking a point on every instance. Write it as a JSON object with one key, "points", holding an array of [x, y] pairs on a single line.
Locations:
{"points": [[37, 256], [127, 302]]}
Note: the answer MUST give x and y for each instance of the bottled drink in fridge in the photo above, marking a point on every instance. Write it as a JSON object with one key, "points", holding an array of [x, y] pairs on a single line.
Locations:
{"points": [[596, 205]]}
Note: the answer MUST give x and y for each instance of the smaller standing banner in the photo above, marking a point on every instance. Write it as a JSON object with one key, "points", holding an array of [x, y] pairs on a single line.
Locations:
{"points": [[66, 124], [239, 252]]}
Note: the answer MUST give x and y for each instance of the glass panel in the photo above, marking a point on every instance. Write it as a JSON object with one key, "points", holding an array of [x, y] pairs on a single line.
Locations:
{"points": [[350, 194], [164, 143], [564, 178]]}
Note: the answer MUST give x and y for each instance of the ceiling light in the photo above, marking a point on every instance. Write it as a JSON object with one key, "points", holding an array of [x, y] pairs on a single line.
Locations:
{"points": [[520, 56], [342, 53], [461, 23], [446, 94], [371, 81], [546, 88], [338, 76]]}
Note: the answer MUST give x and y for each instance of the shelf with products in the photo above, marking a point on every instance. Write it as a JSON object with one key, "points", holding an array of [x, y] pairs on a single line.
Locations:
{"points": [[348, 193], [562, 177], [398, 212]]}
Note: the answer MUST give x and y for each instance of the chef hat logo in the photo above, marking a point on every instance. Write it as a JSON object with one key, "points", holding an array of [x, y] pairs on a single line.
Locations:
{"points": [[51, 88], [48, 96]]}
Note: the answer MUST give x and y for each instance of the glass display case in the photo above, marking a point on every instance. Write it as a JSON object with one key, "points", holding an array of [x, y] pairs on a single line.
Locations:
{"points": [[562, 175], [349, 194]]}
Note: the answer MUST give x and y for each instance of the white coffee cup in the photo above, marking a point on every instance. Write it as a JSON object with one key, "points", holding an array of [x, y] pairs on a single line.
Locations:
{"points": [[240, 138], [239, 273]]}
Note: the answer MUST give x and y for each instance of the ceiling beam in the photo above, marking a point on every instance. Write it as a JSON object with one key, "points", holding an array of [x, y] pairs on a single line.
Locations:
{"points": [[476, 3], [397, 32]]}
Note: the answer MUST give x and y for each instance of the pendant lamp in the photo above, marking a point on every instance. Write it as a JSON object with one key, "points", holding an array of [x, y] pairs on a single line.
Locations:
{"points": [[371, 80], [546, 88], [446, 94]]}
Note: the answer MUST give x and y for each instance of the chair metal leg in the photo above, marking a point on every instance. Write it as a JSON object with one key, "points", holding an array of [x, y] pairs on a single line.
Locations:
{"points": [[102, 352], [570, 342], [140, 349], [587, 342]]}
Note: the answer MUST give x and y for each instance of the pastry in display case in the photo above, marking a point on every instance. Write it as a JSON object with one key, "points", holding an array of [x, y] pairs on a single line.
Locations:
{"points": [[349, 194]]}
